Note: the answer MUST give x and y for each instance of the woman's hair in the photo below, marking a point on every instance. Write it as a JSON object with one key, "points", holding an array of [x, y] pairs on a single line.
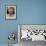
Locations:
{"points": [[12, 9]]}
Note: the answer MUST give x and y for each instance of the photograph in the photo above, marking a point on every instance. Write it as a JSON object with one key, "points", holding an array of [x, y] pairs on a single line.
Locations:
{"points": [[10, 12]]}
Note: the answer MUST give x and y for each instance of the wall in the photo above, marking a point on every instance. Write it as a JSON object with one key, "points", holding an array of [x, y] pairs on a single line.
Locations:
{"points": [[28, 12], [34, 12]]}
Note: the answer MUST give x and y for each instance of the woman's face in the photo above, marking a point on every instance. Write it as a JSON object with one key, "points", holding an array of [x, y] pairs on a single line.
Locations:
{"points": [[10, 10]]}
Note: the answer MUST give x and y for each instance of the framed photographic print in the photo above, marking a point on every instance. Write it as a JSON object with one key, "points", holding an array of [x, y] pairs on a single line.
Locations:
{"points": [[10, 12]]}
